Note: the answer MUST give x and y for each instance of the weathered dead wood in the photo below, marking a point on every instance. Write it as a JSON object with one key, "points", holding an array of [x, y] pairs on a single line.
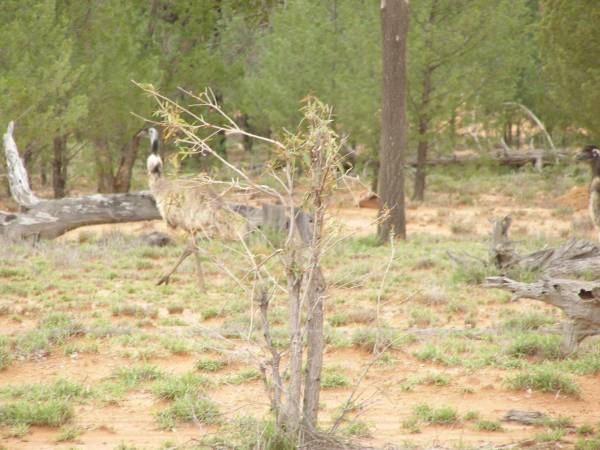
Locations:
{"points": [[516, 158], [501, 251], [51, 218], [17, 174], [579, 300], [524, 417], [573, 257]]}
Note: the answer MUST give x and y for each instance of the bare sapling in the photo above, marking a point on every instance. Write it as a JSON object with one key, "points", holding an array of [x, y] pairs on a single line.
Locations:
{"points": [[292, 372]]}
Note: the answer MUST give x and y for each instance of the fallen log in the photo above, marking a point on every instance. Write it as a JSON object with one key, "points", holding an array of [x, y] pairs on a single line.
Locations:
{"points": [[579, 300], [51, 218], [515, 158]]}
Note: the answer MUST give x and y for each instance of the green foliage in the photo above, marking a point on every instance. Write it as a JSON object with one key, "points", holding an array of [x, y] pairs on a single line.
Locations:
{"points": [[569, 40]]}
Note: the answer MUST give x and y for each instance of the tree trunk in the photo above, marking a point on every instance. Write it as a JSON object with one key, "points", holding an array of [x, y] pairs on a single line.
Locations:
{"points": [[27, 160], [59, 166], [419, 190], [104, 173], [43, 172], [315, 343], [122, 179], [394, 128]]}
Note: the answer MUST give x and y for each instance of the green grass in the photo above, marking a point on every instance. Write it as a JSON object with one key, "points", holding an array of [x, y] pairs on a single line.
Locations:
{"points": [[242, 376], [543, 380], [131, 377], [549, 436], [488, 425], [69, 433], [527, 321], [61, 389], [52, 413], [588, 444], [332, 379], [539, 345], [209, 364], [174, 387], [188, 409], [437, 416]]}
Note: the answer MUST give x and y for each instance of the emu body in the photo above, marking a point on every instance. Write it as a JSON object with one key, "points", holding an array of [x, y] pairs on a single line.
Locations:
{"points": [[190, 205], [591, 154]]}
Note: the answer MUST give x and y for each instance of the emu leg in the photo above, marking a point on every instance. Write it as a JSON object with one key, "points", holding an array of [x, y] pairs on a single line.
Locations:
{"points": [[199, 272], [187, 252]]}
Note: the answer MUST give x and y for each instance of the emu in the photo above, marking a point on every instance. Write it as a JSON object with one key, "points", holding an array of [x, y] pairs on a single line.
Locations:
{"points": [[591, 154], [190, 205]]}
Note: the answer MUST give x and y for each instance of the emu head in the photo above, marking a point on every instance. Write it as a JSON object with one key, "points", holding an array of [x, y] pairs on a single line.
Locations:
{"points": [[590, 153], [152, 134]]}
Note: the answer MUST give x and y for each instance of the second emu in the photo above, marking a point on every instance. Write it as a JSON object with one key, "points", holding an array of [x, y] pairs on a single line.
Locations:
{"points": [[591, 154]]}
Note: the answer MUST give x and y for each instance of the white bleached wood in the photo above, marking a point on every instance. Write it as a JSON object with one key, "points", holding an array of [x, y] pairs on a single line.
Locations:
{"points": [[17, 175]]}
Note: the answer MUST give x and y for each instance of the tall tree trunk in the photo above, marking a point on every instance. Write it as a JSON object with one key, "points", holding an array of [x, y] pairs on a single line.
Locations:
{"points": [[419, 188], [394, 26], [27, 160], [247, 141], [122, 179], [104, 173], [43, 172], [59, 166]]}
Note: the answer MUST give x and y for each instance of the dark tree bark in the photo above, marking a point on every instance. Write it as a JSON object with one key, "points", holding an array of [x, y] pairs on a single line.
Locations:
{"points": [[59, 166], [43, 172], [419, 190], [129, 152], [28, 160], [104, 173], [394, 26]]}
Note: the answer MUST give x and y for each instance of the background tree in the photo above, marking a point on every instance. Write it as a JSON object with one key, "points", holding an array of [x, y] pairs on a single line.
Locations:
{"points": [[570, 47], [461, 53], [40, 86], [394, 124]]}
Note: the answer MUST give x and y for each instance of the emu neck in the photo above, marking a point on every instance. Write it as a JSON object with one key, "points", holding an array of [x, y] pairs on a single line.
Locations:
{"points": [[154, 146]]}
